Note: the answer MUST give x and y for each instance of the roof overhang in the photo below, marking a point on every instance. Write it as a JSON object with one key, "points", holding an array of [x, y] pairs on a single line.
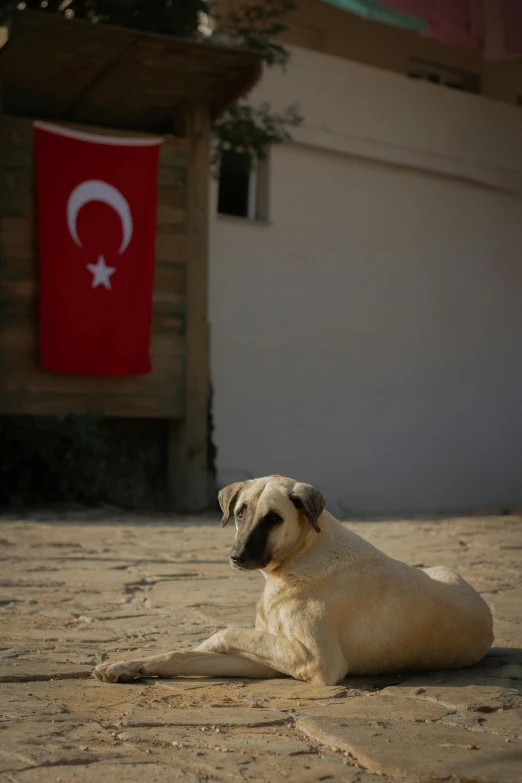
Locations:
{"points": [[74, 70]]}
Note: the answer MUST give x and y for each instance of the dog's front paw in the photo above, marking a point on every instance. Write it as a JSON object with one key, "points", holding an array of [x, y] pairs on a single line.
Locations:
{"points": [[122, 671]]}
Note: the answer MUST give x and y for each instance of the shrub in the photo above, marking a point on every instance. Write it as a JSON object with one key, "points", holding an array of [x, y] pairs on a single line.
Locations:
{"points": [[48, 459]]}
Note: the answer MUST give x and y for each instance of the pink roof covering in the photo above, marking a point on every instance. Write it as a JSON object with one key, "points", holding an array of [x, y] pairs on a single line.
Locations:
{"points": [[455, 22], [512, 13]]}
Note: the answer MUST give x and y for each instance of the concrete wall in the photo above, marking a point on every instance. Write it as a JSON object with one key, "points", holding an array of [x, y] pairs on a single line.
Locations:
{"points": [[368, 339], [320, 27]]}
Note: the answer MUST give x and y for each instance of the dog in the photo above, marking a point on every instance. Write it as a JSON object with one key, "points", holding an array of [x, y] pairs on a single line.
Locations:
{"points": [[333, 605]]}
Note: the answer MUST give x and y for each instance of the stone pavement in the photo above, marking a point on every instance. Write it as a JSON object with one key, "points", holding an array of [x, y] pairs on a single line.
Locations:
{"points": [[78, 588]]}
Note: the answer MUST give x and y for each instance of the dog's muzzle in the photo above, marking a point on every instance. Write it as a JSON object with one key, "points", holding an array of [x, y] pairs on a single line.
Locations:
{"points": [[240, 562]]}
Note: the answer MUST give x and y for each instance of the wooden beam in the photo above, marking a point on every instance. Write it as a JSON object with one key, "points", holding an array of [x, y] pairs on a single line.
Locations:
{"points": [[81, 97], [188, 445]]}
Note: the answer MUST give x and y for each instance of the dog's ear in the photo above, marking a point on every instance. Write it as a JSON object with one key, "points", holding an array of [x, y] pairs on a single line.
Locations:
{"points": [[227, 497], [310, 502]]}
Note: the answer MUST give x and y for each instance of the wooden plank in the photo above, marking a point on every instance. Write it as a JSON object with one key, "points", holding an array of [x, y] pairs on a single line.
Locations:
{"points": [[17, 243], [22, 375], [171, 209], [11, 290], [171, 247], [18, 180], [20, 349], [173, 177], [17, 133], [169, 284], [168, 371], [173, 154], [19, 307], [60, 403], [18, 193], [24, 386], [18, 250], [161, 393], [70, 68], [189, 489], [2, 162], [173, 151], [169, 195]]}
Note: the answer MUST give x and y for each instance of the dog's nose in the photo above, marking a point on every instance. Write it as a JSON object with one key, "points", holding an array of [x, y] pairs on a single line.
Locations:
{"points": [[238, 560]]}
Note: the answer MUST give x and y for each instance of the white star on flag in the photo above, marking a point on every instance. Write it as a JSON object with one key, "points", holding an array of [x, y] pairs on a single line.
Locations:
{"points": [[101, 273]]}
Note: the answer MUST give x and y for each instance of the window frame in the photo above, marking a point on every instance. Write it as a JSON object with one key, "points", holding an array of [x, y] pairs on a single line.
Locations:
{"points": [[447, 76], [257, 193]]}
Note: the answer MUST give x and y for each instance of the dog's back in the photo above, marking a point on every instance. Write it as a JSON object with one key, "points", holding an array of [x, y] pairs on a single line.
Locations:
{"points": [[395, 617]]}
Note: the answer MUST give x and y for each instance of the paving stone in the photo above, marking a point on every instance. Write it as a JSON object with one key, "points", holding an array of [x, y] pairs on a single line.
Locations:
{"points": [[125, 771], [182, 685], [213, 764], [310, 769], [78, 635], [505, 722], [507, 632], [371, 684], [502, 664], [283, 689], [380, 707], [423, 751], [70, 740], [105, 585], [506, 604], [226, 716], [9, 765], [504, 654], [457, 693], [20, 670], [16, 705], [87, 699], [230, 738]]}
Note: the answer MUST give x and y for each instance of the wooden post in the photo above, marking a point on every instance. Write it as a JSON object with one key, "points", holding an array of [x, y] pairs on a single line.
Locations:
{"points": [[188, 445]]}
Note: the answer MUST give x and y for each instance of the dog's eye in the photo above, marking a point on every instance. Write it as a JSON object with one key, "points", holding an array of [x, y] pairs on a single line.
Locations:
{"points": [[240, 514], [273, 518]]}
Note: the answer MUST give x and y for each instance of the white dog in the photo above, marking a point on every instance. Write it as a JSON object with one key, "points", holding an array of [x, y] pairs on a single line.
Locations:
{"points": [[333, 605]]}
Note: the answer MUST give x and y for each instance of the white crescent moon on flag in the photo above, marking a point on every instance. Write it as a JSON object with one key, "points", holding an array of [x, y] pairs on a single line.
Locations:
{"points": [[97, 190]]}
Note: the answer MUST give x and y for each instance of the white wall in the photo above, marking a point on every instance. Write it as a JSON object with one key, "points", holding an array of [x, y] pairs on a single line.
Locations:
{"points": [[369, 339]]}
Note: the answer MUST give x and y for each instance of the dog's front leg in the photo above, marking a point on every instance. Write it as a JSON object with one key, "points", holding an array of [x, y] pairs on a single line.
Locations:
{"points": [[289, 656], [192, 663]]}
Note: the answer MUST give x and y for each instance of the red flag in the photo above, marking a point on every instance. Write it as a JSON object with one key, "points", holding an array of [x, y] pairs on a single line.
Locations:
{"points": [[96, 236]]}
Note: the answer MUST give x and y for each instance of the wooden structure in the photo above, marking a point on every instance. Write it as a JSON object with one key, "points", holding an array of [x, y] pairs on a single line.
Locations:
{"points": [[96, 77]]}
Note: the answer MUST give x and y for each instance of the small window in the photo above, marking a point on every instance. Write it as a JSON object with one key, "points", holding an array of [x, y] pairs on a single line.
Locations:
{"points": [[448, 77], [243, 187]]}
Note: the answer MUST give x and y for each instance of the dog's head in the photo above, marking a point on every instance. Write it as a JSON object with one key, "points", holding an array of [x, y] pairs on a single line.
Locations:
{"points": [[274, 517]]}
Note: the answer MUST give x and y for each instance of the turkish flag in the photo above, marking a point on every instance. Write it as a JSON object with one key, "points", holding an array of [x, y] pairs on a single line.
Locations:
{"points": [[96, 198]]}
